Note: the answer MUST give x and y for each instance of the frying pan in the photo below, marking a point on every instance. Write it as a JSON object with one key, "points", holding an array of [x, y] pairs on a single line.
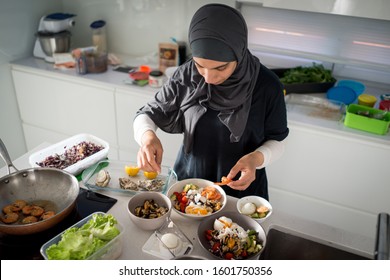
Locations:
{"points": [[56, 188]]}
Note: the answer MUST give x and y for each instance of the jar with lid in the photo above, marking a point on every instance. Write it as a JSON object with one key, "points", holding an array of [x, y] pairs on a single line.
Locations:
{"points": [[156, 78], [99, 38]]}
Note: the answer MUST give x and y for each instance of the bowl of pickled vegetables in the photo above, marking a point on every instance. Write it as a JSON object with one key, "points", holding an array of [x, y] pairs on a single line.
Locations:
{"points": [[231, 236], [196, 198]]}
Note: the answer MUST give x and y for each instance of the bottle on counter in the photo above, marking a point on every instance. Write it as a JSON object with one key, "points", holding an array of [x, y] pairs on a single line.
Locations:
{"points": [[99, 38]]}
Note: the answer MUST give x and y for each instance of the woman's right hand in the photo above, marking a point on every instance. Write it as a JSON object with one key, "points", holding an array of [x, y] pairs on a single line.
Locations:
{"points": [[150, 154]]}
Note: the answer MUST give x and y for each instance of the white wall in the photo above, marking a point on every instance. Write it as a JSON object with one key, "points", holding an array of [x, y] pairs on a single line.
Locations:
{"points": [[18, 23], [134, 26]]}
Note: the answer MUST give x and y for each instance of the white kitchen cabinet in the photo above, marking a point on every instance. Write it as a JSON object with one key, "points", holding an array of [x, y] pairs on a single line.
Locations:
{"points": [[62, 106], [127, 104], [340, 181]]}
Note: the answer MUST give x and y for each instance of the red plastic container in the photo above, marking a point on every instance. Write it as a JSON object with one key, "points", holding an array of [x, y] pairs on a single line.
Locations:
{"points": [[384, 105]]}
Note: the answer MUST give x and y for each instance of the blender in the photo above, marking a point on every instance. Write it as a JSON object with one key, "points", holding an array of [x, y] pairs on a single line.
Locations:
{"points": [[53, 35]]}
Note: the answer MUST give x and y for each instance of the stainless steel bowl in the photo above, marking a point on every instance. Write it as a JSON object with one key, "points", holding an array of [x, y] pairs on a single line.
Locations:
{"points": [[54, 42]]}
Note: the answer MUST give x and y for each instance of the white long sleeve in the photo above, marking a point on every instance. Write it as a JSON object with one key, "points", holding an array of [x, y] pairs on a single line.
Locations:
{"points": [[141, 124], [272, 151]]}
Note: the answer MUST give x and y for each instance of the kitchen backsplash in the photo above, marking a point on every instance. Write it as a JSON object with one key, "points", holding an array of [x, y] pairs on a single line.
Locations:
{"points": [[134, 27]]}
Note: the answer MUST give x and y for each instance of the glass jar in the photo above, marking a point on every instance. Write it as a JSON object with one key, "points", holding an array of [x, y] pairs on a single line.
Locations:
{"points": [[99, 38], [156, 78]]}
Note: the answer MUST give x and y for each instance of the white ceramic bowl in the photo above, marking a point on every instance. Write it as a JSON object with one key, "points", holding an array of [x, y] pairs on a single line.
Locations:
{"points": [[178, 187], [244, 221], [258, 201], [145, 223]]}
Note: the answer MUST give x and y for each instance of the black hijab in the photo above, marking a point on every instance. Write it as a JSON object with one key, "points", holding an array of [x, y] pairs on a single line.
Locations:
{"points": [[186, 96]]}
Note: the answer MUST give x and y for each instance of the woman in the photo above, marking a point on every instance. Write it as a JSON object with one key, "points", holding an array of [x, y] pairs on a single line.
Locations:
{"points": [[228, 105]]}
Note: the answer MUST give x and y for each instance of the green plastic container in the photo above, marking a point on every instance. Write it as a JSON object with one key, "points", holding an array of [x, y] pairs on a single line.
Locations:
{"points": [[363, 118]]}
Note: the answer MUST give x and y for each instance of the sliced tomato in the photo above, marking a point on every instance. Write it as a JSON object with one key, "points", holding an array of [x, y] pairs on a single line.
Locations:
{"points": [[178, 196], [184, 199], [183, 207], [244, 253]]}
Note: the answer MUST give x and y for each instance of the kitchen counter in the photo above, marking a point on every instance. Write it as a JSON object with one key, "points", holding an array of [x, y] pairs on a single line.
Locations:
{"points": [[297, 115], [135, 238], [108, 78]]}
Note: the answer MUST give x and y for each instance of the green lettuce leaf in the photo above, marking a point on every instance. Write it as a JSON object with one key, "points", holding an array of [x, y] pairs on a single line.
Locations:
{"points": [[80, 243]]}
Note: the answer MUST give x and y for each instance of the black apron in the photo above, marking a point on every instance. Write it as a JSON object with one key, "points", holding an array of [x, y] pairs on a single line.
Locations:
{"points": [[213, 155]]}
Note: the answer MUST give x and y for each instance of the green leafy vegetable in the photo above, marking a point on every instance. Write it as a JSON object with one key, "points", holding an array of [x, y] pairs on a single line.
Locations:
{"points": [[312, 74], [80, 243]]}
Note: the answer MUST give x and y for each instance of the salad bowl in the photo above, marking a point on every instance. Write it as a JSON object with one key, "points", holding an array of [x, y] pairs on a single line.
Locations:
{"points": [[231, 235], [197, 198]]}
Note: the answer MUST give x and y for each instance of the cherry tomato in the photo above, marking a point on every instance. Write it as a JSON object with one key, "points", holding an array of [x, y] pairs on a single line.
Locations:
{"points": [[229, 256], [216, 247], [209, 235]]}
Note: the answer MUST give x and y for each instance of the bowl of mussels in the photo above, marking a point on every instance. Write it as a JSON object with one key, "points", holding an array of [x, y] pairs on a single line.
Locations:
{"points": [[149, 210]]}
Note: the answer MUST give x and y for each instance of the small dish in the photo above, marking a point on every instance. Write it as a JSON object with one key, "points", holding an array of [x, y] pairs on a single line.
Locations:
{"points": [[116, 170], [143, 201], [257, 201]]}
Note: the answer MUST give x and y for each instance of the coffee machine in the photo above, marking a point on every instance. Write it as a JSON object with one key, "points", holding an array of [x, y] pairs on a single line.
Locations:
{"points": [[53, 35]]}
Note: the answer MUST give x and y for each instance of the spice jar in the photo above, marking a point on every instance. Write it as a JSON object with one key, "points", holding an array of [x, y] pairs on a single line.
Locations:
{"points": [[156, 78]]}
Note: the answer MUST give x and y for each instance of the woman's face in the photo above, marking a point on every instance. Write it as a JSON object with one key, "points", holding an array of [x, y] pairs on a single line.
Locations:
{"points": [[214, 72]]}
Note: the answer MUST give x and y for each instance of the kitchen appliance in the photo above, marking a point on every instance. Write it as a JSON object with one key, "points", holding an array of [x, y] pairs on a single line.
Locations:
{"points": [[53, 35]]}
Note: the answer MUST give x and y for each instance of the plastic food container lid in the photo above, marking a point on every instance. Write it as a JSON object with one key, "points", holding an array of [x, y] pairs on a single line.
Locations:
{"points": [[98, 24], [366, 98], [358, 87], [156, 73], [385, 96], [342, 94]]}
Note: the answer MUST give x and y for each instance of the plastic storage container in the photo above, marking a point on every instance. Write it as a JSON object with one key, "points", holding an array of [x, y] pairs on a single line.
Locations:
{"points": [[342, 94], [358, 87], [111, 251], [60, 147], [367, 119], [367, 100]]}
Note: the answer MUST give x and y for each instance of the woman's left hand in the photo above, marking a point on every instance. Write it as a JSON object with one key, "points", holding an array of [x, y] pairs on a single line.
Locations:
{"points": [[247, 166]]}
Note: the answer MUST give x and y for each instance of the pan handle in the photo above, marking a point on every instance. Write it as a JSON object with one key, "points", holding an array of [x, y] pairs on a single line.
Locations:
{"points": [[4, 154]]}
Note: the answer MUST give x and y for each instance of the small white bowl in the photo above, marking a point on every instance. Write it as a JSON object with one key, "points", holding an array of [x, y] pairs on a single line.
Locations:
{"points": [[201, 183], [144, 223], [257, 201]]}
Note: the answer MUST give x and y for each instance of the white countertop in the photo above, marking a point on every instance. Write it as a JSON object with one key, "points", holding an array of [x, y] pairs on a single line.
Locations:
{"points": [[298, 116], [135, 238]]}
